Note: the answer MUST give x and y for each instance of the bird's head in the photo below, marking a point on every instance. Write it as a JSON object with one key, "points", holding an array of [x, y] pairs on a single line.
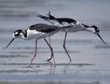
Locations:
{"points": [[50, 16], [16, 34], [94, 29]]}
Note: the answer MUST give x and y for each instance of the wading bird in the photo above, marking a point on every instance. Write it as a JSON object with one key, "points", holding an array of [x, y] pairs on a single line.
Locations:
{"points": [[75, 26], [37, 31]]}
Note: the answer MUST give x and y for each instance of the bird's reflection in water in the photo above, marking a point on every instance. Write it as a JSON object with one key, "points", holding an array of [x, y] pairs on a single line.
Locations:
{"points": [[52, 69], [66, 66], [37, 68]]}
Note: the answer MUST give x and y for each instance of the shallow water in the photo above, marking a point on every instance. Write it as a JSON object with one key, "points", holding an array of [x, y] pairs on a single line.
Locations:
{"points": [[90, 57]]}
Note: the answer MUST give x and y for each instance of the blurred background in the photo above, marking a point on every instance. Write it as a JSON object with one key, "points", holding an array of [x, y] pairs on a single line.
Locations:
{"points": [[20, 14]]}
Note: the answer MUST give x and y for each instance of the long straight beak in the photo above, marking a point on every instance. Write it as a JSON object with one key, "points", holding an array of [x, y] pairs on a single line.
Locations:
{"points": [[9, 43], [101, 38]]}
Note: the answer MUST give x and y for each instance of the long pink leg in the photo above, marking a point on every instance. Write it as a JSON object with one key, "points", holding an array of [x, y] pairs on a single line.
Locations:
{"points": [[50, 51], [52, 55], [34, 53], [64, 46], [50, 45]]}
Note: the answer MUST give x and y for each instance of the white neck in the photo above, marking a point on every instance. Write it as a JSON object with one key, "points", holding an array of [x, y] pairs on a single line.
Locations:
{"points": [[91, 30]]}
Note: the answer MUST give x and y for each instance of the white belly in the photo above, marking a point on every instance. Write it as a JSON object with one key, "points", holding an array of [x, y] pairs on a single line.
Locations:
{"points": [[76, 28], [33, 34]]}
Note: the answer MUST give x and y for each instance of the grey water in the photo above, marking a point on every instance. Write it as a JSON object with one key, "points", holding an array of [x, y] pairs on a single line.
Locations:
{"points": [[90, 57]]}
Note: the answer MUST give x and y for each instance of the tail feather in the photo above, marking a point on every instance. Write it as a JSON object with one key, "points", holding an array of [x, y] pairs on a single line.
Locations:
{"points": [[43, 17]]}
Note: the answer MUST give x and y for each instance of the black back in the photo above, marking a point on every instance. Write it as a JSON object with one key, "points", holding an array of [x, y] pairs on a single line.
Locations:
{"points": [[61, 20], [68, 20], [43, 28]]}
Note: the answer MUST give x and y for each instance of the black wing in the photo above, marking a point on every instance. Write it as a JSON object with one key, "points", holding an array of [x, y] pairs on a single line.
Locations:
{"points": [[43, 28], [68, 20]]}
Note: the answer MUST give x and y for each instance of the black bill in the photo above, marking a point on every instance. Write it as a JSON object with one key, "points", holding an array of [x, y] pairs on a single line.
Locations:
{"points": [[9, 43], [101, 39]]}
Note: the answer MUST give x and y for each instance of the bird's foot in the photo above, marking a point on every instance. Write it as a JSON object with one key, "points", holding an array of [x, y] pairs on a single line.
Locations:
{"points": [[49, 58]]}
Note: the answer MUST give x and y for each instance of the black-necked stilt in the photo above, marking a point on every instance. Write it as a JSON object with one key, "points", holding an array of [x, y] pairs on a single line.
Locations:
{"points": [[75, 26], [37, 32]]}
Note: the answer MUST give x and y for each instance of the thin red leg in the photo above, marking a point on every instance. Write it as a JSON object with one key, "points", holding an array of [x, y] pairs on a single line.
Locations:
{"points": [[64, 46], [49, 41], [34, 53], [52, 55], [50, 50]]}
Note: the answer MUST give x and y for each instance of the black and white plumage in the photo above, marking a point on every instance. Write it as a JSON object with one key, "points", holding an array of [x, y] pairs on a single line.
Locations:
{"points": [[75, 26], [37, 31]]}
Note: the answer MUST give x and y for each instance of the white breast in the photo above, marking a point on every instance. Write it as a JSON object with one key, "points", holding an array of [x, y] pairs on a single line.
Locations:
{"points": [[33, 34]]}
